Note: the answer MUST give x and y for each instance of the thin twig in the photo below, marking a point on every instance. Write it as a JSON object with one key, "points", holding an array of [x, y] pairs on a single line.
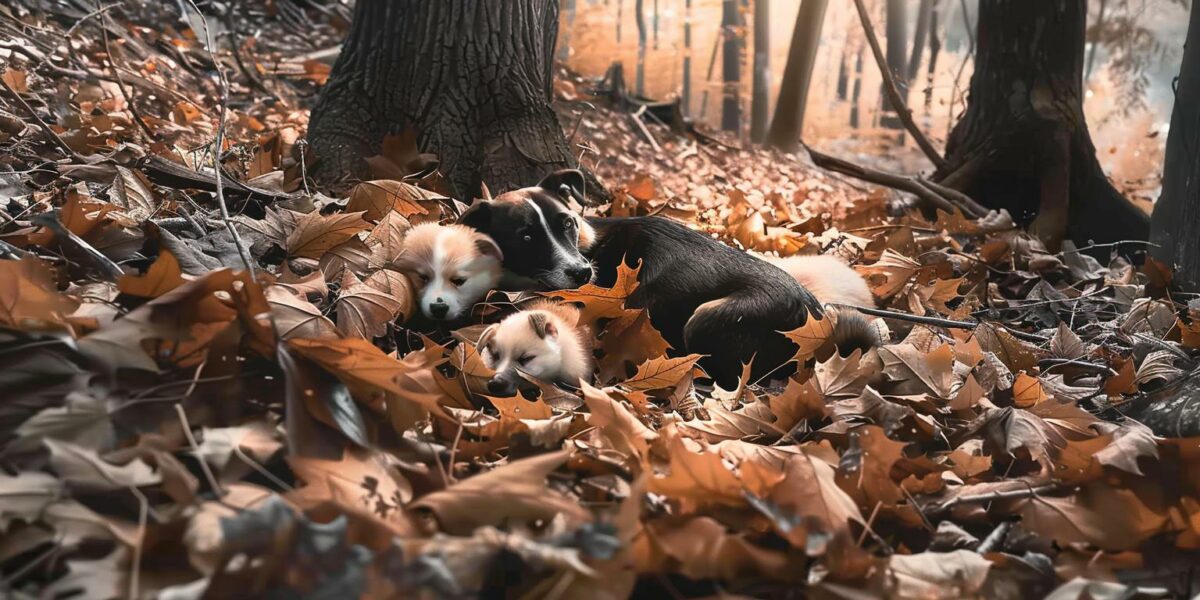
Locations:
{"points": [[187, 432], [1028, 492], [992, 542], [913, 185], [893, 92], [219, 142], [939, 322], [58, 141], [135, 566]]}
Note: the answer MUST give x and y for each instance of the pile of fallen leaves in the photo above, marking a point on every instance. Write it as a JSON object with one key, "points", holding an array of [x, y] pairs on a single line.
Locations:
{"points": [[179, 420]]}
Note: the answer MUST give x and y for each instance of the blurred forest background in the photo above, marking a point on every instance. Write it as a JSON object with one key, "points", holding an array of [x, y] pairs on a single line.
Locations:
{"points": [[1132, 58]]}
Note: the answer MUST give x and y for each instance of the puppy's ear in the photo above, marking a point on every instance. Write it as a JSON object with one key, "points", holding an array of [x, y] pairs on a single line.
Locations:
{"points": [[478, 217], [542, 325], [565, 184], [486, 337], [488, 247]]}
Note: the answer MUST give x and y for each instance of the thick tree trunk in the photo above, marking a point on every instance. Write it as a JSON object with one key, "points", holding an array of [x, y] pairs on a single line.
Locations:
{"points": [[731, 67], [788, 124], [843, 80], [472, 79], [1023, 143], [760, 101], [897, 58], [1175, 227]]}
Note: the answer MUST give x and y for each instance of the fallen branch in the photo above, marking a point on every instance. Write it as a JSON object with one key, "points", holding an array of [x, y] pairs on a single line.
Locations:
{"points": [[893, 92], [939, 322], [58, 141], [1018, 494], [992, 542], [928, 191]]}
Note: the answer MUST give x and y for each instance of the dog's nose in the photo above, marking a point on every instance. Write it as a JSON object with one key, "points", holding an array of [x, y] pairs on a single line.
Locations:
{"points": [[439, 309], [580, 275], [499, 386]]}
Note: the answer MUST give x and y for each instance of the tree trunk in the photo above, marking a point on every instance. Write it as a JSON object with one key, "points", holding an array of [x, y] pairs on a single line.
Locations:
{"points": [[1099, 31], [935, 48], [1175, 227], [788, 124], [687, 57], [843, 80], [924, 12], [564, 40], [471, 79], [856, 94], [897, 58], [731, 67], [639, 10], [760, 109], [1023, 143]]}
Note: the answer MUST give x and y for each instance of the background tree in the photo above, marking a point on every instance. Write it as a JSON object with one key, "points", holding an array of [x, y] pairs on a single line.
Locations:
{"points": [[897, 57], [731, 66], [788, 124], [1023, 143], [639, 10], [760, 101], [471, 79], [1175, 226]]}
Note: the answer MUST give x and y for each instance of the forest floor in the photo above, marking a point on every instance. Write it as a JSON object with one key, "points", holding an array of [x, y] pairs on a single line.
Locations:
{"points": [[173, 424]]}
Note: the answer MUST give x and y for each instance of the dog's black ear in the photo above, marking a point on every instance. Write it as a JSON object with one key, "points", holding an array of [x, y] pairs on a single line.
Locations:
{"points": [[565, 184], [478, 217]]}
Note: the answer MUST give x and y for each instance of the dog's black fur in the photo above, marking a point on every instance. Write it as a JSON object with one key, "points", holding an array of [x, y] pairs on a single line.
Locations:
{"points": [[703, 296]]}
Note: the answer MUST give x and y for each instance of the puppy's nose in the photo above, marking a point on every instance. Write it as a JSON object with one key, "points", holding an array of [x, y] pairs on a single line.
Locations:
{"points": [[499, 386], [580, 275], [439, 309]]}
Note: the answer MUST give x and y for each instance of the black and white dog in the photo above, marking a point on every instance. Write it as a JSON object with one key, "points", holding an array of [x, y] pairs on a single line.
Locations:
{"points": [[703, 296]]}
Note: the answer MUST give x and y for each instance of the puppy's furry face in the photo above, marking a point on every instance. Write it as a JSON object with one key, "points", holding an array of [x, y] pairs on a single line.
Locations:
{"points": [[536, 343], [451, 267], [539, 235]]}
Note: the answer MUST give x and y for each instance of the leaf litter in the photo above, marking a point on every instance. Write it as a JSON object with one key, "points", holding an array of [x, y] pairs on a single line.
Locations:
{"points": [[173, 426]]}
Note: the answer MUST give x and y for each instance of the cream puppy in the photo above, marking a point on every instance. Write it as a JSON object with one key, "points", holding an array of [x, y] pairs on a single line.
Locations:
{"points": [[451, 267], [544, 341]]}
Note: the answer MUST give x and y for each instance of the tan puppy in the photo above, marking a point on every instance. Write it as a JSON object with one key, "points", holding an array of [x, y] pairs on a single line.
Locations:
{"points": [[544, 341], [834, 282], [451, 268]]}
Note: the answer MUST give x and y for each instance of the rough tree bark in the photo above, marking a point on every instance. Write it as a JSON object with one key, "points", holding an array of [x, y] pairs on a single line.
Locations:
{"points": [[760, 103], [472, 79], [1175, 226], [1023, 143], [935, 48], [856, 93], [788, 124], [731, 67]]}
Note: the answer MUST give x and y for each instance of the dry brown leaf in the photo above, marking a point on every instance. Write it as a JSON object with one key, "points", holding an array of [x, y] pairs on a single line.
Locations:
{"points": [[615, 422], [28, 297], [162, 276], [602, 303], [811, 336], [375, 199], [628, 341], [889, 274], [510, 494], [902, 362], [315, 234], [662, 373], [366, 311]]}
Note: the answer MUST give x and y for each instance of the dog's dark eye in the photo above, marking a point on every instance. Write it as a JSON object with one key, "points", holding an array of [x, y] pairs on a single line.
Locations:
{"points": [[457, 281], [568, 223], [525, 360], [424, 278]]}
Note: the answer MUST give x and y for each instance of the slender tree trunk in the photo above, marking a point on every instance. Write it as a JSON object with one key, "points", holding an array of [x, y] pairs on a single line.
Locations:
{"points": [[924, 12], [897, 58], [620, 17], [1023, 143], [1099, 30], [843, 80], [856, 94], [687, 57], [788, 125], [935, 48], [639, 10], [760, 109], [656, 24], [564, 40], [731, 67], [472, 79], [1175, 227]]}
